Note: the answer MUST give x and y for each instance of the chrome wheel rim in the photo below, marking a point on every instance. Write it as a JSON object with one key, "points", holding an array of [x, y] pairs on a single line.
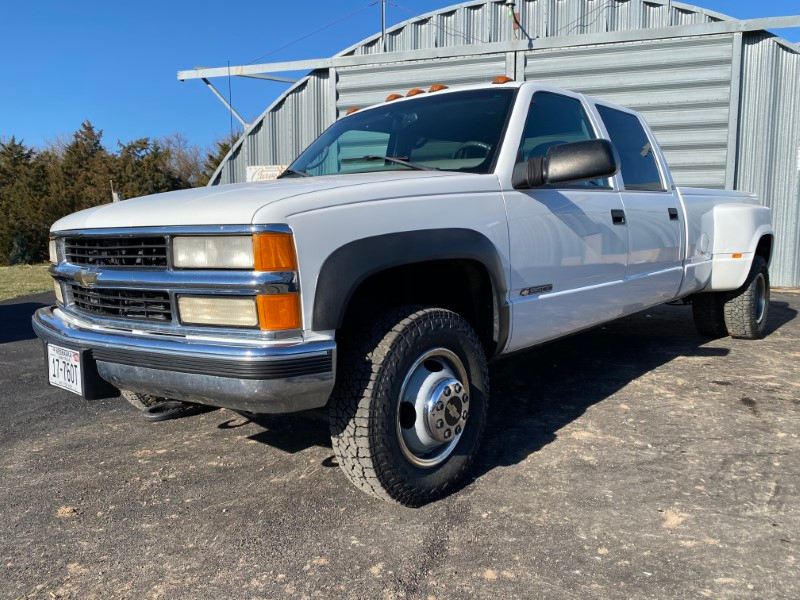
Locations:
{"points": [[433, 408], [761, 297]]}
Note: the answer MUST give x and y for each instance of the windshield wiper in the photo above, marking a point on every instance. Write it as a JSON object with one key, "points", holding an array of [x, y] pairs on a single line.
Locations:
{"points": [[293, 172], [400, 160]]}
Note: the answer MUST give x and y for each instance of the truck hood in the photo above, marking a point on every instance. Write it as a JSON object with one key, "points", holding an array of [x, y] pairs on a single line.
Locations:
{"points": [[234, 204]]}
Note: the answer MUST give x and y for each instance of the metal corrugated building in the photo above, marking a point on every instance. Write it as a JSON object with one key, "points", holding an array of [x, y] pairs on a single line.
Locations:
{"points": [[722, 98]]}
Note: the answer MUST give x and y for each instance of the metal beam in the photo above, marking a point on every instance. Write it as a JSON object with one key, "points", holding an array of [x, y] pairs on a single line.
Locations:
{"points": [[239, 118], [272, 78], [720, 27]]}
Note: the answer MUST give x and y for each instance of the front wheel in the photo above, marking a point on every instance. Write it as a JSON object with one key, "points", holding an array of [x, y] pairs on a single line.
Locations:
{"points": [[409, 408]]}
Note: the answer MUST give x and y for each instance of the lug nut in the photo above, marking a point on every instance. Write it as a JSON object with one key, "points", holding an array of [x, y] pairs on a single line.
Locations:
{"points": [[458, 429], [458, 388], [464, 415], [439, 424], [447, 434], [465, 399], [439, 406], [447, 391]]}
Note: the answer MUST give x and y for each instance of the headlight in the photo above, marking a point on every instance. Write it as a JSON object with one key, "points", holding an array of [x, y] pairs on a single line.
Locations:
{"points": [[53, 251], [222, 312], [218, 252], [263, 252]]}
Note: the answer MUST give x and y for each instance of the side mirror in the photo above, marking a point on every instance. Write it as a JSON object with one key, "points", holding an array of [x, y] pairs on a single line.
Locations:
{"points": [[568, 163]]}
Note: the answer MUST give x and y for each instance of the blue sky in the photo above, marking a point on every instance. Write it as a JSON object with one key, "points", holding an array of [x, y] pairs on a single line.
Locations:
{"points": [[114, 63]]}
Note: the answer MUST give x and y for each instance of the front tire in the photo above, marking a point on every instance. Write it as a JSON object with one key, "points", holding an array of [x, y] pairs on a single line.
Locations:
{"points": [[409, 408], [747, 308]]}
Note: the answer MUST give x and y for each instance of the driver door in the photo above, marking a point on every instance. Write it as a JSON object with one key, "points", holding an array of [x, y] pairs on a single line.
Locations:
{"points": [[569, 244]]}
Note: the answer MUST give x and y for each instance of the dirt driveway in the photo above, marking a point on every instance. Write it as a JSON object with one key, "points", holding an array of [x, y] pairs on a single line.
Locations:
{"points": [[633, 461]]}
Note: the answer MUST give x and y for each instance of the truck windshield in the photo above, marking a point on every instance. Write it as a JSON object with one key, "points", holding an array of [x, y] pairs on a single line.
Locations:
{"points": [[458, 131]]}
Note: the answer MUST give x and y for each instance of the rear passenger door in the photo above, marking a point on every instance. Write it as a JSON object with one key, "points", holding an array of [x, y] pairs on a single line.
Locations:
{"points": [[652, 214]]}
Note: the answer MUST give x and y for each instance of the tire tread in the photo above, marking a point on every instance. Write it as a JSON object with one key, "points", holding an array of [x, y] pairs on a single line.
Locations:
{"points": [[369, 367]]}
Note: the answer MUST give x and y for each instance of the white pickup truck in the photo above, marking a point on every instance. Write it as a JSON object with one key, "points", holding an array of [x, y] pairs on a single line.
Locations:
{"points": [[410, 243]]}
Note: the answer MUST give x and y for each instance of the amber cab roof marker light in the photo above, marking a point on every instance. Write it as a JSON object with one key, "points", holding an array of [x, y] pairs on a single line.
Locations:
{"points": [[501, 79], [415, 92], [350, 111], [436, 87], [391, 97]]}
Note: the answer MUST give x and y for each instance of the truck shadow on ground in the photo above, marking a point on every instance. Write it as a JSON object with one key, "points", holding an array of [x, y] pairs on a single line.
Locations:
{"points": [[537, 392]]}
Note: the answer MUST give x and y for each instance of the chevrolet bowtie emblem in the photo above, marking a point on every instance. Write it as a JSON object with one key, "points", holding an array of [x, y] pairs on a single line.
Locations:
{"points": [[85, 278]]}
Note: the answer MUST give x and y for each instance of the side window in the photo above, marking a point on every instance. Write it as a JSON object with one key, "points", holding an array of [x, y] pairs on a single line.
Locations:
{"points": [[638, 162], [553, 120]]}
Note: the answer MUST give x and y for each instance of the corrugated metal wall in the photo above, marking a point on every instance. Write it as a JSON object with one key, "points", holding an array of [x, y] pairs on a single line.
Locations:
{"points": [[285, 129], [769, 144], [688, 89], [363, 86], [681, 86]]}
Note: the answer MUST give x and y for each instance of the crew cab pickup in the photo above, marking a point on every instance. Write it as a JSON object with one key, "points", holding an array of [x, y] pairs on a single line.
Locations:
{"points": [[412, 242]]}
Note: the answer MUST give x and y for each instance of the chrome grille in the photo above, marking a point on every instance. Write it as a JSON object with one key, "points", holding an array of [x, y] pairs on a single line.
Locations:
{"points": [[137, 252], [141, 305]]}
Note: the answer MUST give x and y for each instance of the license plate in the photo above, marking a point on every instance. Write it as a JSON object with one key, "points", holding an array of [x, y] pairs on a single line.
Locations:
{"points": [[65, 368]]}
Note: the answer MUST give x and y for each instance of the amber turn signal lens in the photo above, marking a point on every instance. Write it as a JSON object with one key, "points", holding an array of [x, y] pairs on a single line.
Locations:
{"points": [[391, 97], [502, 79], [279, 312], [350, 111], [737, 256], [274, 252], [436, 87], [415, 92]]}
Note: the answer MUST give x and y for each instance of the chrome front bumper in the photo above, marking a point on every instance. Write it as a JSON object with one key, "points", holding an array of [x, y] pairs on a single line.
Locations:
{"points": [[269, 378]]}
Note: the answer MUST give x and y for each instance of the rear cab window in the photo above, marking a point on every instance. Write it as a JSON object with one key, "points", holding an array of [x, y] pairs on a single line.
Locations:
{"points": [[638, 165]]}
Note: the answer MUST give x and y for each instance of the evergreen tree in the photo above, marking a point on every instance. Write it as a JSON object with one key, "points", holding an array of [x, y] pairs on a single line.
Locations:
{"points": [[39, 187]]}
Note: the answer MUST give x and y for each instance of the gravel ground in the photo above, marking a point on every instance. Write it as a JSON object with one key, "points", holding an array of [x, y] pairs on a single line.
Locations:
{"points": [[633, 461]]}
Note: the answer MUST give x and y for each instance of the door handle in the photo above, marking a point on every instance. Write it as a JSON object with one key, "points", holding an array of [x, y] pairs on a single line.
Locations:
{"points": [[673, 214], [617, 216]]}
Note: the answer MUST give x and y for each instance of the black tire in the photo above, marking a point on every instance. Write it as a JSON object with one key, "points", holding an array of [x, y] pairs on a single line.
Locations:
{"points": [[708, 311], [375, 364], [141, 401], [747, 309]]}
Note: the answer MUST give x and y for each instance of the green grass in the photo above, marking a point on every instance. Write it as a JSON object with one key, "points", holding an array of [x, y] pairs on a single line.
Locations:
{"points": [[21, 280]]}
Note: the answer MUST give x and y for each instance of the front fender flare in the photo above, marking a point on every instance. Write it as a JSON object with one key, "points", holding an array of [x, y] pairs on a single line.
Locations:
{"points": [[348, 266]]}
